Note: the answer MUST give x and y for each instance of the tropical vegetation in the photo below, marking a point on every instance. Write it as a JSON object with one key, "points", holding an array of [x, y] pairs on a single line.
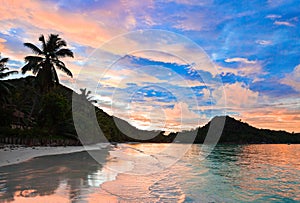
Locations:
{"points": [[37, 110], [4, 85], [46, 59]]}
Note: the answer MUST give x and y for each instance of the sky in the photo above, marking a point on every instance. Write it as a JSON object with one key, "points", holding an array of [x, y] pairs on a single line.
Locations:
{"points": [[175, 64]]}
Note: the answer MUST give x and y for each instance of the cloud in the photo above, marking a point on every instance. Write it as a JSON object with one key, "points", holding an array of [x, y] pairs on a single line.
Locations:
{"points": [[192, 2], [191, 22], [2, 40], [206, 94], [276, 3], [214, 26], [236, 95], [275, 118], [251, 69], [2, 45], [285, 23], [293, 79], [159, 56], [273, 16], [121, 78], [178, 118], [264, 42], [255, 71], [241, 60], [92, 29], [182, 116]]}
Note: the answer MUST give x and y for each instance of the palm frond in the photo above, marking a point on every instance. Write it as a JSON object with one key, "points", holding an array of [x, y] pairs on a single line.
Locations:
{"points": [[42, 39], [64, 53], [43, 65], [60, 43], [85, 95], [34, 48], [61, 66], [51, 42], [6, 74], [26, 68], [33, 59], [4, 60], [3, 69], [35, 67]]}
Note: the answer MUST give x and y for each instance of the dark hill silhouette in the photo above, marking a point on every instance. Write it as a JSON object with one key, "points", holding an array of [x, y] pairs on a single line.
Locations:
{"points": [[235, 131], [50, 117]]}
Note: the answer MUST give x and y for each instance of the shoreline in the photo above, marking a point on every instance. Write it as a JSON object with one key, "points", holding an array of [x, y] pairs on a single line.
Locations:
{"points": [[13, 154]]}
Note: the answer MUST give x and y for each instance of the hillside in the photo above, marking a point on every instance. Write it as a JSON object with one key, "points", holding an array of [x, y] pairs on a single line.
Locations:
{"points": [[46, 119], [32, 118], [235, 131]]}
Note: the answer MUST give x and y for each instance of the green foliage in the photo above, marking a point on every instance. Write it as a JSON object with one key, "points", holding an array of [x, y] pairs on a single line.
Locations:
{"points": [[55, 114], [5, 116], [52, 118]]}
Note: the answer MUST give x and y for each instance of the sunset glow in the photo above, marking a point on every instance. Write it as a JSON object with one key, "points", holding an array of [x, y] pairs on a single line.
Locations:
{"points": [[253, 47]]}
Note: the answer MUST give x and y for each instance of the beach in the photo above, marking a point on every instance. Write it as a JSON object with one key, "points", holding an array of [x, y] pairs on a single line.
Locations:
{"points": [[13, 154], [232, 173]]}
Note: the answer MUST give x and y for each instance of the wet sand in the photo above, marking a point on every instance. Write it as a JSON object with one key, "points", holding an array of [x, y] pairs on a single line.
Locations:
{"points": [[10, 154]]}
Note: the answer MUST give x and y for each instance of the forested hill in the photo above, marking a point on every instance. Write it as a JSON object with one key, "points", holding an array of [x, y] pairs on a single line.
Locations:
{"points": [[235, 131], [31, 117], [48, 116]]}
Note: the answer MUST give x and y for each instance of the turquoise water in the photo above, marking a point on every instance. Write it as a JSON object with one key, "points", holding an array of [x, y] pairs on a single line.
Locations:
{"points": [[231, 173]]}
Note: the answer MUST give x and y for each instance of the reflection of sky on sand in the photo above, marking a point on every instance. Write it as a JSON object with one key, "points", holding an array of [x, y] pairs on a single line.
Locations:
{"points": [[101, 176], [231, 173], [137, 159]]}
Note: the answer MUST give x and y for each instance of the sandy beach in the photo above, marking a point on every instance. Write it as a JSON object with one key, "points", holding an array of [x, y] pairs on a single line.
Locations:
{"points": [[10, 154]]}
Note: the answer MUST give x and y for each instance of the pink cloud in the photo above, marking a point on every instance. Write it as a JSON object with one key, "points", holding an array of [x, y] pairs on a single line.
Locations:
{"points": [[92, 29], [247, 68], [236, 95], [293, 79]]}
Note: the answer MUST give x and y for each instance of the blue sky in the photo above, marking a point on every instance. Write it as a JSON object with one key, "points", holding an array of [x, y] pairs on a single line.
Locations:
{"points": [[201, 59]]}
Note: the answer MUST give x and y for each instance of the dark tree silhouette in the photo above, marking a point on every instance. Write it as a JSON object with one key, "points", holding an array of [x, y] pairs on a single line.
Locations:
{"points": [[5, 85], [86, 95], [45, 61]]}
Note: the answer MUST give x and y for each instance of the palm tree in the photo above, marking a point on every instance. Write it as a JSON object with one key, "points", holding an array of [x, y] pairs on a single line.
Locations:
{"points": [[85, 95], [47, 58], [4, 85]]}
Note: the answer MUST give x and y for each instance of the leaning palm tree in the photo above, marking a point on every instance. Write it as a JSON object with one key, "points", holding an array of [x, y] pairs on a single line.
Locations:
{"points": [[47, 58], [86, 95], [5, 85]]}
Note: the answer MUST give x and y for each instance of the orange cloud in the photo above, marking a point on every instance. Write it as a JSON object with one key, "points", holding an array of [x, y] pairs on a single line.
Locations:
{"points": [[273, 118], [148, 117], [41, 16]]}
